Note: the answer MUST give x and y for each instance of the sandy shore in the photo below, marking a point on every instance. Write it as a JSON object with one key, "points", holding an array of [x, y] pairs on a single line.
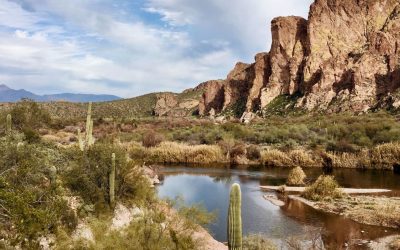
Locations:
{"points": [[344, 190]]}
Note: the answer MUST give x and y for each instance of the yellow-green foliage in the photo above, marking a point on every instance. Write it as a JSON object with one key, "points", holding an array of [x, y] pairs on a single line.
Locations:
{"points": [[31, 203], [325, 187], [172, 152], [88, 176], [156, 229], [296, 177]]}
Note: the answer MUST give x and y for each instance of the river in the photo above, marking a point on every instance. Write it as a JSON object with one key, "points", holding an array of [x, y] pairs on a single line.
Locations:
{"points": [[210, 187]]}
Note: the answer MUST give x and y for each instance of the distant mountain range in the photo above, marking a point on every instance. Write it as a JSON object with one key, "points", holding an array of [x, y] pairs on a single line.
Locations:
{"points": [[11, 95]]}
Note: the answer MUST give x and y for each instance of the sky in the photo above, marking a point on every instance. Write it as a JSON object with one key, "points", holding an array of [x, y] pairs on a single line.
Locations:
{"points": [[131, 47]]}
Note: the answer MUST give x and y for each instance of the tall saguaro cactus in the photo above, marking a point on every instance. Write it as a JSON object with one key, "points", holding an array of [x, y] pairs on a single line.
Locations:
{"points": [[111, 180], [88, 141], [89, 125], [8, 124], [235, 219]]}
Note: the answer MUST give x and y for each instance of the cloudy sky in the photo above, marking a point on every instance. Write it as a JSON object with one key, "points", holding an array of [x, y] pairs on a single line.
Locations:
{"points": [[131, 47]]}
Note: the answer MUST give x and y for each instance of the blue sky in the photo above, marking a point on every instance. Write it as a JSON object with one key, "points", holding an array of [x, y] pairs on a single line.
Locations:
{"points": [[131, 47]]}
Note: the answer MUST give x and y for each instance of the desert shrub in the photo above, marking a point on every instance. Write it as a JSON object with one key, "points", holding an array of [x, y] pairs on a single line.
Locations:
{"points": [[257, 242], [30, 203], [238, 150], [28, 114], [325, 187], [296, 177], [253, 152], [157, 229], [341, 146], [151, 139], [275, 158], [227, 145], [88, 174], [31, 136]]}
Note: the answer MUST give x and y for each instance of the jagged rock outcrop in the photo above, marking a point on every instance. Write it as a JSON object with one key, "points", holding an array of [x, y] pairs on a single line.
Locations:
{"points": [[353, 50], [165, 103], [346, 56], [178, 105], [213, 97], [289, 45]]}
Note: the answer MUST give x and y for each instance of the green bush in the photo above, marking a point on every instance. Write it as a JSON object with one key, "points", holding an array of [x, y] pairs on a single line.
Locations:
{"points": [[28, 114], [88, 176], [30, 204]]}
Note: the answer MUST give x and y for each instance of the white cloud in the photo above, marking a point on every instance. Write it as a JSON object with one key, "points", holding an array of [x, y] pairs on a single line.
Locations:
{"points": [[245, 24], [87, 46]]}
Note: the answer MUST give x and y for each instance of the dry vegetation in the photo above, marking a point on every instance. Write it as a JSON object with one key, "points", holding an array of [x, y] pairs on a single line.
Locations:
{"points": [[296, 177], [381, 211], [172, 152], [324, 188]]}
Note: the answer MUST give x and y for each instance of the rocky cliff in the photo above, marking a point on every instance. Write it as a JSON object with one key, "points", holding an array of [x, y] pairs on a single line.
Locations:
{"points": [[345, 57]]}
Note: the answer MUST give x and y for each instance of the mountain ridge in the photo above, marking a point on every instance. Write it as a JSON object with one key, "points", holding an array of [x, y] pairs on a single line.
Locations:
{"points": [[8, 94]]}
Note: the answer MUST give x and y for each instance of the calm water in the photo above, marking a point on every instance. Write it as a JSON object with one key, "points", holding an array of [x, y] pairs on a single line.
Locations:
{"points": [[211, 188]]}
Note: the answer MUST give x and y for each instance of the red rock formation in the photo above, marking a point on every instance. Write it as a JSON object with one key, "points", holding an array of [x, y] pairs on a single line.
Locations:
{"points": [[345, 57], [213, 97], [289, 45]]}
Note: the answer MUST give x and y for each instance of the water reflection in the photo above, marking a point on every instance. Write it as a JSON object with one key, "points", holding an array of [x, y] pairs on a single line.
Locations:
{"points": [[211, 187]]}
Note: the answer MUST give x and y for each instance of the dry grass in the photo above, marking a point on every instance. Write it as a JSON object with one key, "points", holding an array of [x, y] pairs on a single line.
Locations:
{"points": [[172, 152], [325, 187], [275, 158], [302, 158], [296, 177], [372, 210], [385, 155], [345, 160], [299, 157]]}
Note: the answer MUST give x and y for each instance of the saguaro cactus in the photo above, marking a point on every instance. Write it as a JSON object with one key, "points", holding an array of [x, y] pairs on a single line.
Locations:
{"points": [[111, 180], [88, 140], [235, 219], [8, 124], [89, 124], [80, 140], [52, 174]]}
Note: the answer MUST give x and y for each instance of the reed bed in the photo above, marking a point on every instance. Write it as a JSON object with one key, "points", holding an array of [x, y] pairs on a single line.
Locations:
{"points": [[172, 152]]}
